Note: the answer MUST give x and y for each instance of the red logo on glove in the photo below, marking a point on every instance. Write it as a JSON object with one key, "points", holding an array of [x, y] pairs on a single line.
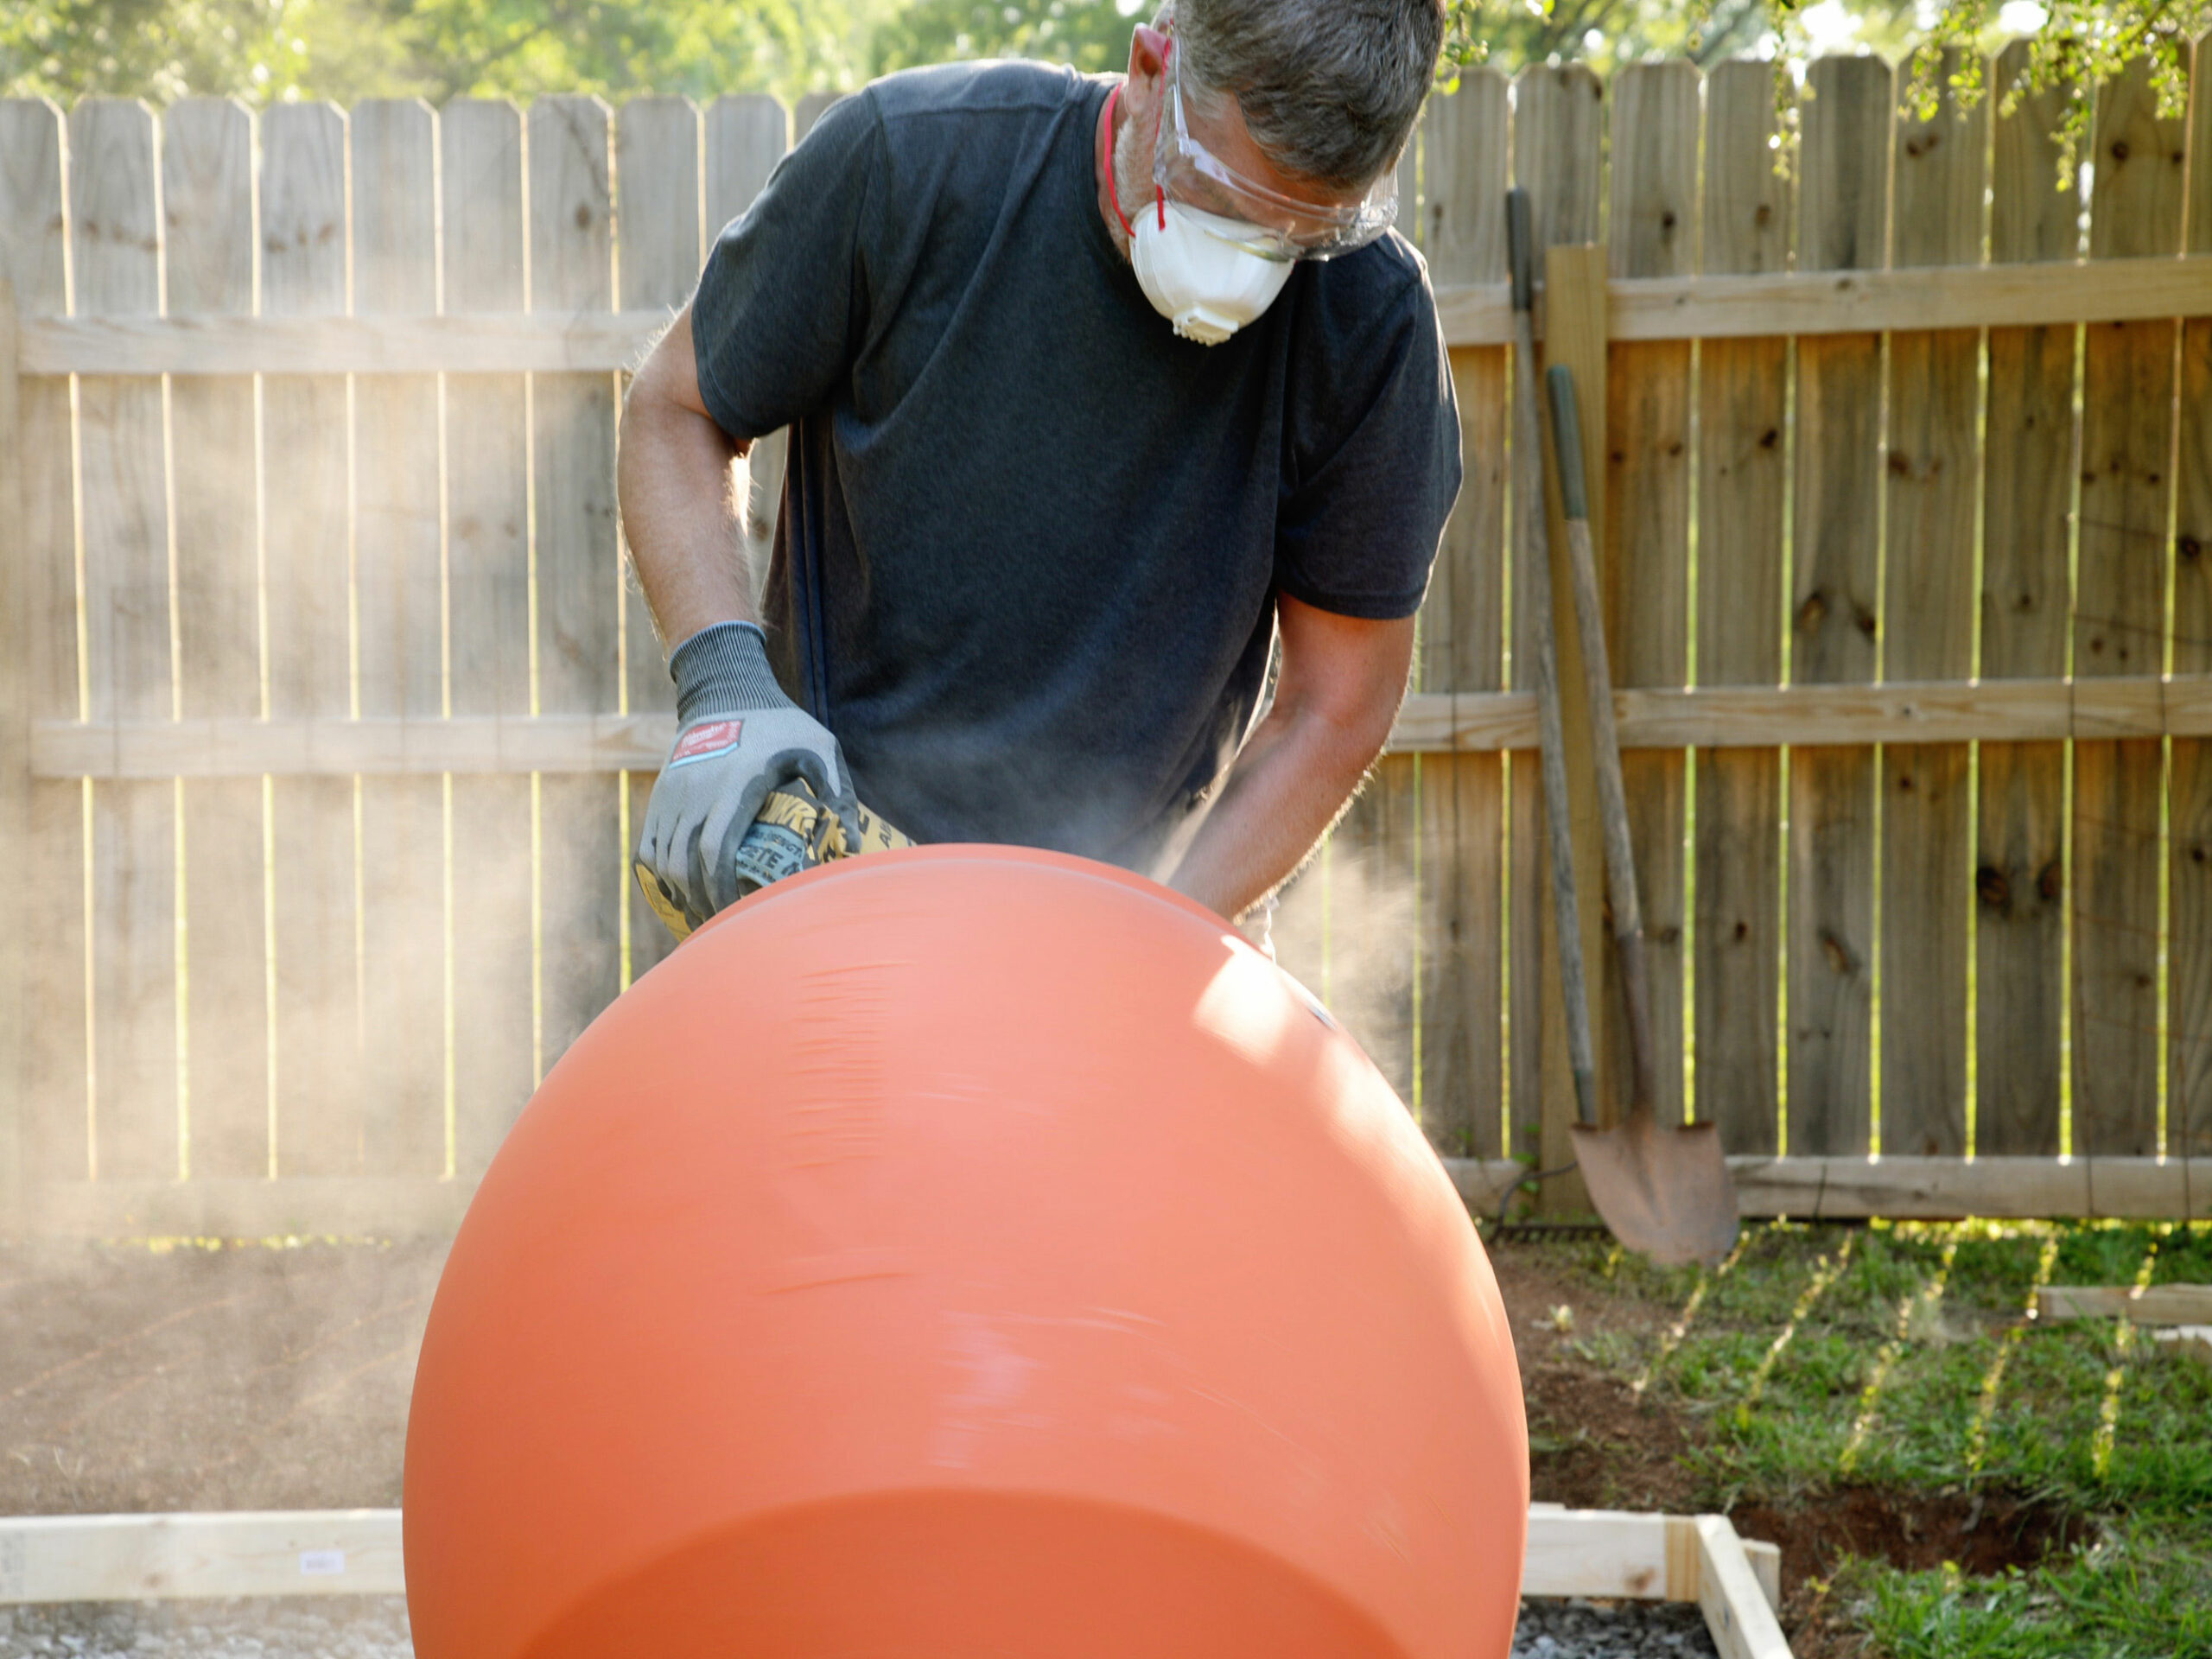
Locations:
{"points": [[708, 738]]}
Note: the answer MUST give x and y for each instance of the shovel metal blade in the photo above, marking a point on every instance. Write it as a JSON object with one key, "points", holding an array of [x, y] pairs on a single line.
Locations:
{"points": [[1665, 1193]]}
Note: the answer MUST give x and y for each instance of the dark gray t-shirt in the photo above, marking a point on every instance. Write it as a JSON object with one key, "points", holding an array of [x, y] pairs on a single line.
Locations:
{"points": [[1037, 537]]}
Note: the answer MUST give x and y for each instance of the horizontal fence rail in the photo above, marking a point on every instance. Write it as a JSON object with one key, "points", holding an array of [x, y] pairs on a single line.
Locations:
{"points": [[1725, 717], [327, 712], [1704, 307]]}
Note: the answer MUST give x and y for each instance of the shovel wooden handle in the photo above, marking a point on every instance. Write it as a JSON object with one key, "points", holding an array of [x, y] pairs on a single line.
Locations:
{"points": [[1535, 573], [1613, 795]]}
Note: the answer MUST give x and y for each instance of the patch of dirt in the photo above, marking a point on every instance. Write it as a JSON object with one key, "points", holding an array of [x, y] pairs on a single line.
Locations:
{"points": [[1533, 1287], [1593, 1442], [246, 1378], [1984, 1533]]}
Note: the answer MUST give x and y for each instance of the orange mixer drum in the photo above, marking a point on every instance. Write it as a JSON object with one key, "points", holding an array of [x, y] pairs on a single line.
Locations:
{"points": [[965, 1252]]}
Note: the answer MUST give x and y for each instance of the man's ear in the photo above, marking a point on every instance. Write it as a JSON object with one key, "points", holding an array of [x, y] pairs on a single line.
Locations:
{"points": [[1148, 49]]}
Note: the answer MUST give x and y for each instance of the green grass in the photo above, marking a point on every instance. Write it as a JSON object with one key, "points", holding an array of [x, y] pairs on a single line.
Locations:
{"points": [[2138, 1596], [1906, 1365]]}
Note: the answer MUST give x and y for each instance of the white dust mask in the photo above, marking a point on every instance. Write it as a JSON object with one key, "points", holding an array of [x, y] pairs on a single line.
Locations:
{"points": [[1197, 276]]}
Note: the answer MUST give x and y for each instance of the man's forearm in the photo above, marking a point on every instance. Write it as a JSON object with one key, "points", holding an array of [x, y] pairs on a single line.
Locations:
{"points": [[679, 516], [1290, 781]]}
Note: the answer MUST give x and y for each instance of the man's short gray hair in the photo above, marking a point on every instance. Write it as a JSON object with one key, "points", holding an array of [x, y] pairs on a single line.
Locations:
{"points": [[1330, 89]]}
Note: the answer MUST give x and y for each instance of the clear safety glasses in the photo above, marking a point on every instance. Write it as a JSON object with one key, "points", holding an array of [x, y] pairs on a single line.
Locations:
{"points": [[1275, 226]]}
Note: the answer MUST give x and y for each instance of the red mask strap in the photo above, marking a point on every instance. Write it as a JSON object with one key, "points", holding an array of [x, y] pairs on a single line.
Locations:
{"points": [[1106, 160], [1158, 192]]}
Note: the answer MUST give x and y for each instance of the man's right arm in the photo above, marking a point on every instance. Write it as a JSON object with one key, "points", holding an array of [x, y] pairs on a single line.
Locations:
{"points": [[738, 736], [680, 512]]}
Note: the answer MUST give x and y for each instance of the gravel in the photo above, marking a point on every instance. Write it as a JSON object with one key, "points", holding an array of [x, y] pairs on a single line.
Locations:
{"points": [[339, 1627], [375, 1627], [1611, 1629]]}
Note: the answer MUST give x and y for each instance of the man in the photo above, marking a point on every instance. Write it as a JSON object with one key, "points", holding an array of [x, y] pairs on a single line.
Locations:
{"points": [[1094, 389]]}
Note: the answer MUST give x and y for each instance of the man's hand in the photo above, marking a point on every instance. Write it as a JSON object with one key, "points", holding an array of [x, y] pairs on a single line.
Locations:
{"points": [[738, 738], [1341, 683]]}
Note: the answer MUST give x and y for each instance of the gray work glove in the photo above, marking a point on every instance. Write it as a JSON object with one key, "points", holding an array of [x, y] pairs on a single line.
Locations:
{"points": [[738, 737]]}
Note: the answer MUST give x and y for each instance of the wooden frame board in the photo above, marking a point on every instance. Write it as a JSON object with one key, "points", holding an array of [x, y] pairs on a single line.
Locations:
{"points": [[2138, 1304], [357, 1553], [158, 1557]]}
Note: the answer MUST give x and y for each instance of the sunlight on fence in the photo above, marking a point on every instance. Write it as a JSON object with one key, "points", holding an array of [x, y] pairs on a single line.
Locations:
{"points": [[340, 713]]}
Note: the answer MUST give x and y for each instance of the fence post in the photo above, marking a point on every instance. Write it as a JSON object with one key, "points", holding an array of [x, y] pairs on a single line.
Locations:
{"points": [[16, 945]]}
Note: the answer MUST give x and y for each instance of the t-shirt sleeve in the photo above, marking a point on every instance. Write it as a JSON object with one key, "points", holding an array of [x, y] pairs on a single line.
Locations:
{"points": [[781, 304], [1358, 524]]}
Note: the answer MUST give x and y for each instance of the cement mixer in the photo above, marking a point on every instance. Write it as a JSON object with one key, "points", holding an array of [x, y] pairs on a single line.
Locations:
{"points": [[965, 1251]]}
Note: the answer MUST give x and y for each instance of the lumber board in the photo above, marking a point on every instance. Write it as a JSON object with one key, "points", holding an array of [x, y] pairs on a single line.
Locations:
{"points": [[2138, 1304], [315, 1115], [115, 226], [357, 1552], [243, 1553], [1736, 1609], [207, 212], [2027, 532], [1615, 1554], [1933, 1189], [2189, 1005], [491, 866], [1644, 556], [583, 871], [1815, 304], [486, 342], [1743, 489], [399, 581], [18, 958], [384, 746], [1928, 632], [1557, 152], [659, 252], [1462, 225], [2127, 436], [1631, 1557], [1461, 921], [114, 1558], [2189, 783], [1766, 1567], [809, 109], [53, 1127], [1871, 301], [1480, 314], [1433, 723], [2191, 1341], [2019, 946], [1843, 224]]}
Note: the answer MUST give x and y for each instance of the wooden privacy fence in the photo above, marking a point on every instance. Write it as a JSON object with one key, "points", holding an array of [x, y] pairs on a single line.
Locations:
{"points": [[326, 715]]}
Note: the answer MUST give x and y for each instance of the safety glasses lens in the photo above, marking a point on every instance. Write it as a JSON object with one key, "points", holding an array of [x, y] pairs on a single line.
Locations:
{"points": [[1280, 226]]}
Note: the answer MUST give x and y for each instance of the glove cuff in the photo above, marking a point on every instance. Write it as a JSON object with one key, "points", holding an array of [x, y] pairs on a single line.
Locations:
{"points": [[723, 670]]}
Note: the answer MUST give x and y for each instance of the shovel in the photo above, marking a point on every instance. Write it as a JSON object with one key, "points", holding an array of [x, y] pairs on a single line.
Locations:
{"points": [[1665, 1191]]}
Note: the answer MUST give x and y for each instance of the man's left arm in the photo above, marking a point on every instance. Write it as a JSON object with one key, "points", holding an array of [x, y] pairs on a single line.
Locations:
{"points": [[1336, 692]]}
